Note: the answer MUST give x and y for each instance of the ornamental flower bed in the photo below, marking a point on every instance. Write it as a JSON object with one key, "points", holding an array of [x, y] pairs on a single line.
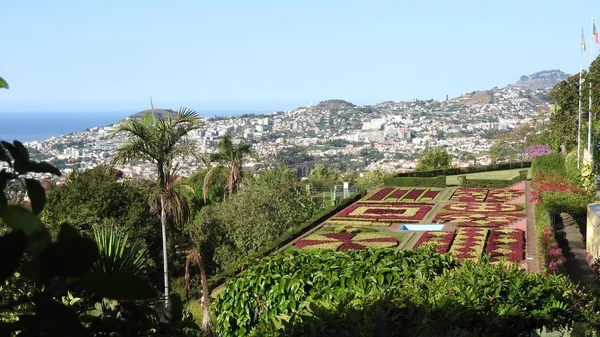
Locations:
{"points": [[442, 240], [486, 220], [389, 194], [386, 212], [469, 194], [345, 241], [469, 243], [503, 195], [482, 207], [381, 194], [506, 244]]}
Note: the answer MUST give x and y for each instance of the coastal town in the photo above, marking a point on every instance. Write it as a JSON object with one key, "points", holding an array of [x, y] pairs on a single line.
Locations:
{"points": [[389, 136]]}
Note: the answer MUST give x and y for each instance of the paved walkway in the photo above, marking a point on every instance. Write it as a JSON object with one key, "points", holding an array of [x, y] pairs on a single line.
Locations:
{"points": [[574, 250], [533, 265]]}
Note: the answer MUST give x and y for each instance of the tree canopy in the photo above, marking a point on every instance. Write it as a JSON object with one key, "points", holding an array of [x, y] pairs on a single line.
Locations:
{"points": [[434, 159]]}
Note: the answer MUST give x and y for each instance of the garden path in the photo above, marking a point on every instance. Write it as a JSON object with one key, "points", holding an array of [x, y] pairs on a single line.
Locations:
{"points": [[574, 250], [531, 254]]}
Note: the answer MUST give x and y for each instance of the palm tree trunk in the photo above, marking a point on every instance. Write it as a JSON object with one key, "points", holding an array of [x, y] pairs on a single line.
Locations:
{"points": [[206, 323], [163, 223]]}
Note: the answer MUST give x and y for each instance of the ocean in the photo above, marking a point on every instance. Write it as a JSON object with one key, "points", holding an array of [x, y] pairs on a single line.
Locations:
{"points": [[30, 126]]}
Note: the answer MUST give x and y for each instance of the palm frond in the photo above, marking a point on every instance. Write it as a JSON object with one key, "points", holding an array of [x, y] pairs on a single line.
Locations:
{"points": [[209, 180]]}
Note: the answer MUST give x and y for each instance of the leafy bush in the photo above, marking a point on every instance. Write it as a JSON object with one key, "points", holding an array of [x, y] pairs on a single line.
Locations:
{"points": [[439, 181], [567, 202], [571, 169], [465, 170], [491, 183], [396, 293], [553, 162], [288, 282]]}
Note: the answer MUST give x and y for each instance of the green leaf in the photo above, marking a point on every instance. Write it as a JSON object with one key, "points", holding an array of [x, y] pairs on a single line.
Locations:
{"points": [[36, 194], [42, 167], [68, 258], [12, 247], [121, 286], [3, 83], [55, 319], [176, 307], [18, 217]]}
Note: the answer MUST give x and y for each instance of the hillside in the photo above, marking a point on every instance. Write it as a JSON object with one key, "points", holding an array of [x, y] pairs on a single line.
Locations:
{"points": [[158, 112], [540, 80]]}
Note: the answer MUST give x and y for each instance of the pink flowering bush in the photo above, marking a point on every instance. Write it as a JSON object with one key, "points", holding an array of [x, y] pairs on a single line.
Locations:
{"points": [[552, 254], [533, 151]]}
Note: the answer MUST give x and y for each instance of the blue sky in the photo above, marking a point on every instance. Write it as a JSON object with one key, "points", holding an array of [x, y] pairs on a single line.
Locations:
{"points": [[268, 55]]}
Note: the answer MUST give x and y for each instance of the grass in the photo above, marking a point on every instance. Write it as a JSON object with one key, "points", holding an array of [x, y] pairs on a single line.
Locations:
{"points": [[500, 175]]}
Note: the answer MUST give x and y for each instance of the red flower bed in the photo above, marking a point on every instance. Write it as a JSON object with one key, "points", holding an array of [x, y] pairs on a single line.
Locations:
{"points": [[550, 182], [479, 219], [385, 212], [469, 243], [482, 207], [381, 194], [441, 240], [506, 244], [466, 194], [398, 193], [345, 241], [503, 195], [413, 195], [430, 195]]}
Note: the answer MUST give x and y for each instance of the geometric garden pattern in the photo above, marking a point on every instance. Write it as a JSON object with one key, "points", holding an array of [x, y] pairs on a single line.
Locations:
{"points": [[480, 215]]}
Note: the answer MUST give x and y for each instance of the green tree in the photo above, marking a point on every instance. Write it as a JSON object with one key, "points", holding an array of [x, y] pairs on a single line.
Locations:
{"points": [[98, 197], [3, 83], [160, 141], [230, 158], [371, 179], [321, 176], [434, 159]]}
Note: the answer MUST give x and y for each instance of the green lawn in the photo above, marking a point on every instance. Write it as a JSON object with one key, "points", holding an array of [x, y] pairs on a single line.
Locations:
{"points": [[502, 175]]}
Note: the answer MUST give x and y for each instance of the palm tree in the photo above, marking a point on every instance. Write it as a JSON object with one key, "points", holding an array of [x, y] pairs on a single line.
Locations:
{"points": [[230, 157], [160, 141]]}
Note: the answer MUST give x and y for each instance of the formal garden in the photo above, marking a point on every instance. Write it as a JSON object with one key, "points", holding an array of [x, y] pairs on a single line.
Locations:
{"points": [[466, 222]]}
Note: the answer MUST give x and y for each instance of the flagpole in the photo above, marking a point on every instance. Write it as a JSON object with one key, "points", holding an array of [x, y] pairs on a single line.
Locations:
{"points": [[580, 86], [589, 145]]}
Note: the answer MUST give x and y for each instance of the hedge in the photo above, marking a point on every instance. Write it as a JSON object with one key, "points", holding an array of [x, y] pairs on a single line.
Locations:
{"points": [[439, 181], [553, 162], [466, 170], [492, 183], [283, 239]]}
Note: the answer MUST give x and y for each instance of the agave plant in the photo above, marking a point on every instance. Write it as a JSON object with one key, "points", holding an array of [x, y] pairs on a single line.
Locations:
{"points": [[119, 253]]}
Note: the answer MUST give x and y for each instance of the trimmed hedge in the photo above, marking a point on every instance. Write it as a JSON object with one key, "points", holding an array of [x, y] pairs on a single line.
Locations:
{"points": [[283, 240], [492, 183], [553, 162], [571, 169], [439, 181], [466, 170]]}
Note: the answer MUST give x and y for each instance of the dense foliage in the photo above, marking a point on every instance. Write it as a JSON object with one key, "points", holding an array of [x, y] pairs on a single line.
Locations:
{"points": [[39, 275], [262, 210], [404, 293], [553, 162], [98, 198]]}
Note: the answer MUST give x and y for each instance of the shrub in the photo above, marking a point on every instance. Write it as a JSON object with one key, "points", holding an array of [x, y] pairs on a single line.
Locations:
{"points": [[391, 293], [553, 162], [288, 282], [439, 181], [571, 169]]}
